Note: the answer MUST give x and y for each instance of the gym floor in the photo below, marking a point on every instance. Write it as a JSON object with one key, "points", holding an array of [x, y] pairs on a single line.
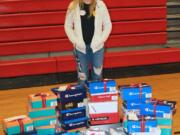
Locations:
{"points": [[165, 86]]}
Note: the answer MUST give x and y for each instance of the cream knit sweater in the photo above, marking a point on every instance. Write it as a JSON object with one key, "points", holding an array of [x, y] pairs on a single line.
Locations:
{"points": [[102, 30]]}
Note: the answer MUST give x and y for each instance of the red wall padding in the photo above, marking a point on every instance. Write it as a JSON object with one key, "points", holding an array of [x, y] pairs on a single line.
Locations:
{"points": [[40, 46]]}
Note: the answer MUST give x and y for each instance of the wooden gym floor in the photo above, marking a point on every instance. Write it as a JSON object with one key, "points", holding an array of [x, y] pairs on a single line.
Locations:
{"points": [[166, 86]]}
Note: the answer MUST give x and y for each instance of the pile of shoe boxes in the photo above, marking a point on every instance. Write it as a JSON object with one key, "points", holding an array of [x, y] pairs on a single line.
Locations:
{"points": [[18, 125], [163, 111], [71, 107], [103, 104], [142, 113], [42, 110]]}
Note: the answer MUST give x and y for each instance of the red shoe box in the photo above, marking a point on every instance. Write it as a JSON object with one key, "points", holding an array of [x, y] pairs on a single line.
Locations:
{"points": [[104, 118], [103, 97], [103, 112]]}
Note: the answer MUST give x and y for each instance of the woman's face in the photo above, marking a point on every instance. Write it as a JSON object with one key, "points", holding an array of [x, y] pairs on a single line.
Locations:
{"points": [[87, 1]]}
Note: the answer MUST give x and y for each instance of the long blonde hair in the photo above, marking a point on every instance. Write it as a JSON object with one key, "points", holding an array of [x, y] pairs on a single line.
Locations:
{"points": [[75, 3]]}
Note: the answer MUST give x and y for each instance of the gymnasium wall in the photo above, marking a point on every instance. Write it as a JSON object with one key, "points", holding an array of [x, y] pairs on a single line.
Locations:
{"points": [[33, 41]]}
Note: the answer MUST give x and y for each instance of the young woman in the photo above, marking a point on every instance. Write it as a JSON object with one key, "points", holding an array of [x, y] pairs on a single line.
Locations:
{"points": [[88, 26]]}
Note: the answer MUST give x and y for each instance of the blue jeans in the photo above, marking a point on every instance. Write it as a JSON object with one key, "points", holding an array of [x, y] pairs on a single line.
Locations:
{"points": [[89, 60]]}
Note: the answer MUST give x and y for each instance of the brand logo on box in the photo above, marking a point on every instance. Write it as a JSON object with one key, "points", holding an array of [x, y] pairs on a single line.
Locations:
{"points": [[30, 128], [53, 122], [149, 110], [69, 105], [75, 95], [76, 124], [100, 119], [71, 114], [136, 126], [134, 104], [111, 88], [133, 94]]}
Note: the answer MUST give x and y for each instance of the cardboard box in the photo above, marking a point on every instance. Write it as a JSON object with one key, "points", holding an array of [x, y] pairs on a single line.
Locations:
{"points": [[125, 112], [134, 124], [45, 121], [74, 124], [166, 130], [102, 86], [103, 107], [71, 105], [42, 100], [161, 111], [172, 104], [17, 125], [164, 122], [71, 93], [141, 126], [41, 132], [103, 97], [104, 118], [117, 131], [72, 114], [134, 104], [154, 131], [76, 131], [46, 130], [135, 92], [42, 112], [70, 133], [95, 132], [103, 112]]}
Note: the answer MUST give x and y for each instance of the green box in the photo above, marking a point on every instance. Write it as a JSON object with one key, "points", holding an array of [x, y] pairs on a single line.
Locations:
{"points": [[44, 112]]}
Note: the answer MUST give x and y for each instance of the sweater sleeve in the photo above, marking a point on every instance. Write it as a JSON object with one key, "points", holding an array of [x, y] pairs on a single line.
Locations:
{"points": [[68, 26], [107, 25]]}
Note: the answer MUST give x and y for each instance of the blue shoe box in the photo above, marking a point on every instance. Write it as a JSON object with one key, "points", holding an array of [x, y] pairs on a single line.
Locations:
{"points": [[74, 124], [135, 92], [136, 126], [101, 86], [172, 104], [161, 111], [134, 104], [72, 113], [71, 105], [70, 94]]}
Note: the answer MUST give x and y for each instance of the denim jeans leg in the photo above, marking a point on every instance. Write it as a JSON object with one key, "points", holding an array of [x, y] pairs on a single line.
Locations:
{"points": [[97, 64], [82, 66]]}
